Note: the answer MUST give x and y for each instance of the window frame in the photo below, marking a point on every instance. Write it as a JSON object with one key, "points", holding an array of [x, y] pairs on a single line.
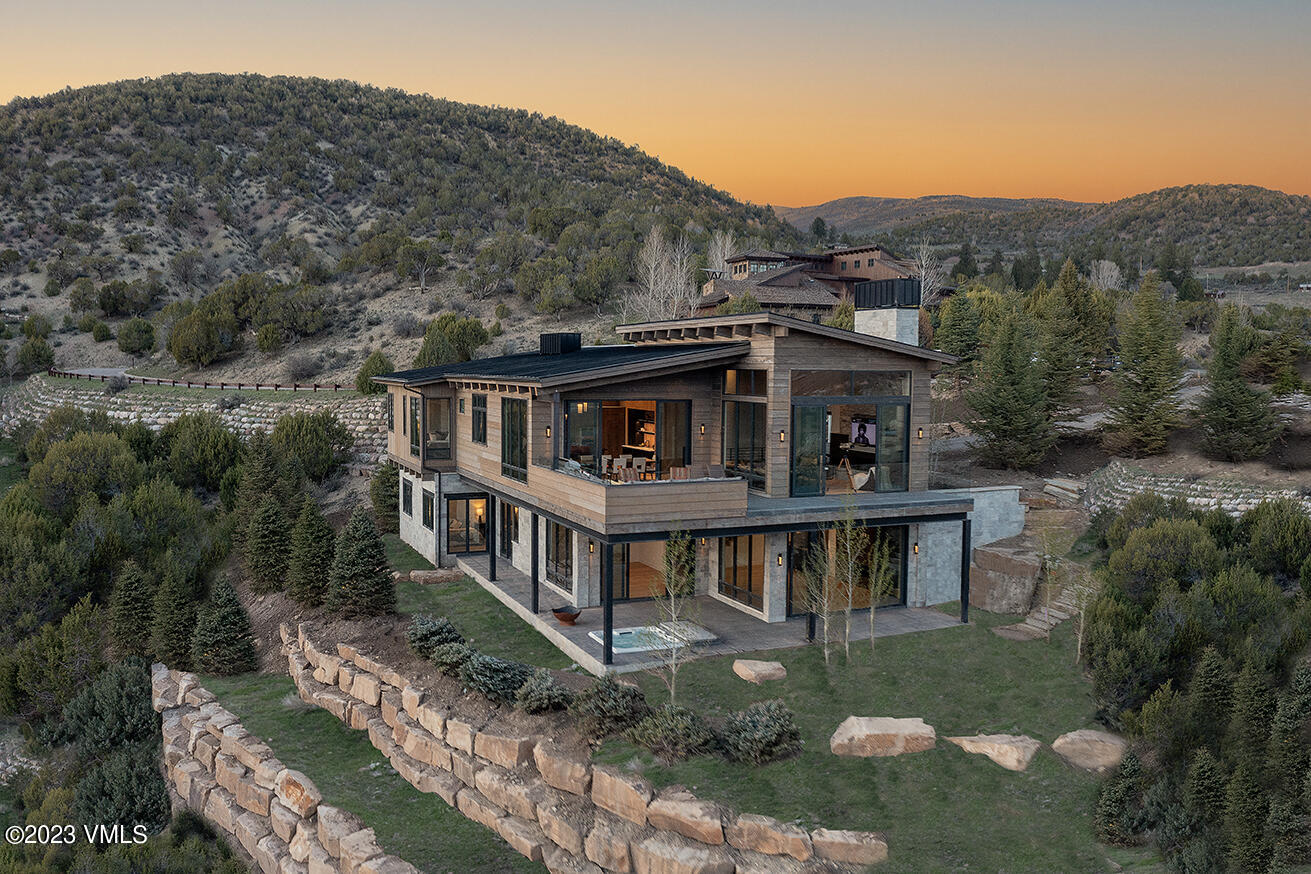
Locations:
{"points": [[514, 439], [428, 502], [407, 497], [478, 419]]}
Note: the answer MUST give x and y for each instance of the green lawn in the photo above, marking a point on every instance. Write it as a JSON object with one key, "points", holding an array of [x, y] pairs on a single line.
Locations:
{"points": [[402, 557], [942, 810], [352, 775]]}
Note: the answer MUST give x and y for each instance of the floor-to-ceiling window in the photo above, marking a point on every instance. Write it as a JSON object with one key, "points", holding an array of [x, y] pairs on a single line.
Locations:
{"points": [[639, 570], [744, 425], [673, 444], [637, 439], [438, 446], [466, 525], [850, 431], [742, 569], [514, 438], [559, 556], [508, 532], [883, 568]]}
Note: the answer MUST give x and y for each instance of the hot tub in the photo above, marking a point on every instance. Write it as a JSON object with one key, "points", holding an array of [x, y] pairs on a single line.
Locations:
{"points": [[648, 638]]}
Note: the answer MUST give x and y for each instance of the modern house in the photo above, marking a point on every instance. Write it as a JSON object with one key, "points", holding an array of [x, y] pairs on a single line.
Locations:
{"points": [[800, 283], [568, 467]]}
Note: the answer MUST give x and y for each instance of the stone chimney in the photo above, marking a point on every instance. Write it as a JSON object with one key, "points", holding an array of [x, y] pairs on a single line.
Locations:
{"points": [[889, 308]]}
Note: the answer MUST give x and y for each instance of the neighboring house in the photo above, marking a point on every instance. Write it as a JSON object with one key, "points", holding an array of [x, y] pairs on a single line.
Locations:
{"points": [[754, 433], [802, 284]]}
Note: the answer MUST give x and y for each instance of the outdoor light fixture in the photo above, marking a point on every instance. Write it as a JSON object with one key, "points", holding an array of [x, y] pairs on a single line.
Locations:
{"points": [[782, 437], [703, 429], [591, 546], [921, 434], [548, 431], [916, 548], [780, 559], [703, 541]]}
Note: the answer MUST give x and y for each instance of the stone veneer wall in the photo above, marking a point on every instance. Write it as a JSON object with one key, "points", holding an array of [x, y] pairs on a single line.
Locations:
{"points": [[1117, 482], [232, 778], [548, 802], [257, 411]]}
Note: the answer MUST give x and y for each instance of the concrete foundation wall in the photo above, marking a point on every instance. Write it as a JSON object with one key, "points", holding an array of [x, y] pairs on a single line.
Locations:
{"points": [[412, 531]]}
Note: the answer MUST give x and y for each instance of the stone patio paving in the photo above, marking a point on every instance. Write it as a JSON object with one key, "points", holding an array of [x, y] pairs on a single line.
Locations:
{"points": [[737, 631]]}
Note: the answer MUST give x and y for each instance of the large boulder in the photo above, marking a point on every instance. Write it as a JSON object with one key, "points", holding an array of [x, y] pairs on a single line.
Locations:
{"points": [[764, 834], [677, 810], [562, 768], [1003, 579], [754, 671], [882, 736], [856, 848], [620, 793], [1090, 749], [440, 575], [1012, 751], [297, 792]]}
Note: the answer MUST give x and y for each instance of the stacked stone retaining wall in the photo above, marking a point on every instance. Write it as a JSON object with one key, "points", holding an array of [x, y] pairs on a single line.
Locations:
{"points": [[232, 778], [1117, 482], [547, 801], [242, 413]]}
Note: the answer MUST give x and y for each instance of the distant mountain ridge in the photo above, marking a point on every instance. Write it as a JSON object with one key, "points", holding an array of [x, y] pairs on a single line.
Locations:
{"points": [[1221, 225]]}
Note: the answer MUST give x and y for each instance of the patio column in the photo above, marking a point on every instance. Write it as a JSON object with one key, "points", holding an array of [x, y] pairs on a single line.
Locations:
{"points": [[491, 537], [607, 603], [534, 574], [965, 555]]}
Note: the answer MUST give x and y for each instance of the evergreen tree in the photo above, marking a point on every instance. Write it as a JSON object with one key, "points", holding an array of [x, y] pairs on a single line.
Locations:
{"points": [[1118, 817], [818, 229], [1008, 398], [1237, 420], [1204, 809], [1246, 810], [311, 555], [1060, 348], [375, 365], [1249, 726], [1026, 270], [360, 583], [965, 264], [266, 547], [1209, 697], [259, 479], [174, 619], [385, 495], [223, 643], [1288, 753], [131, 611], [996, 265], [1145, 409], [960, 320]]}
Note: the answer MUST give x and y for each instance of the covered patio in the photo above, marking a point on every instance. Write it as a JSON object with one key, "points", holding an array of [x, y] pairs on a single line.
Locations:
{"points": [[735, 630]]}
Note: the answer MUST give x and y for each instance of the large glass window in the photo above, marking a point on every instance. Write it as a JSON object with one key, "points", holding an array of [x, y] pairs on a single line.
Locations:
{"points": [[885, 551], [744, 441], [416, 426], [439, 429], [514, 438], [466, 525], [428, 521], [639, 570], [744, 382], [508, 533], [893, 468], [582, 429], [391, 412], [479, 429], [742, 569], [673, 444], [808, 438], [407, 497], [559, 556]]}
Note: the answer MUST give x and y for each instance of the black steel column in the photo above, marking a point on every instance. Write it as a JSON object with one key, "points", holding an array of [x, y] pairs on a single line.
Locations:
{"points": [[491, 537], [534, 575], [966, 552], [607, 603]]}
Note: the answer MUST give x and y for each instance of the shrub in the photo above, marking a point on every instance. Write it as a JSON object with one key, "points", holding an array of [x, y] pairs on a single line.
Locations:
{"points": [[223, 643], [199, 449], [34, 355], [311, 556], [302, 367], [97, 464], [609, 707], [1168, 549], [425, 634], [450, 657], [673, 733], [36, 325], [360, 583], [542, 693], [111, 712], [87, 323], [126, 787], [267, 543], [100, 332], [497, 678], [1277, 535], [375, 365], [763, 732], [268, 339], [317, 440], [136, 336]]}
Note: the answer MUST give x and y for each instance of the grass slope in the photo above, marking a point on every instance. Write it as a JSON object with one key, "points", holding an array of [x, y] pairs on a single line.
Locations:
{"points": [[352, 775], [942, 810]]}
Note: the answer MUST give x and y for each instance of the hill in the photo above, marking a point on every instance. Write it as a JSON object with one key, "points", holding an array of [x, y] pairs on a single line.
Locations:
{"points": [[1220, 225], [128, 198]]}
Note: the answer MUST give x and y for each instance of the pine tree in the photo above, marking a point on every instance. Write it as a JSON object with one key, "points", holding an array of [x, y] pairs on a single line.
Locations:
{"points": [[965, 264], [131, 611], [1118, 817], [1237, 421], [360, 583], [311, 556], [259, 479], [1249, 726], [1061, 344], [1288, 754], [375, 365], [174, 620], [267, 543], [1209, 697], [385, 495], [1145, 409], [223, 643], [958, 328], [1246, 810], [996, 265], [1008, 398], [1204, 809]]}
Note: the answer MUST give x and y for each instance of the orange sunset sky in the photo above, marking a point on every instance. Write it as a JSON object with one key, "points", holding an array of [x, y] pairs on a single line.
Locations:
{"points": [[782, 103]]}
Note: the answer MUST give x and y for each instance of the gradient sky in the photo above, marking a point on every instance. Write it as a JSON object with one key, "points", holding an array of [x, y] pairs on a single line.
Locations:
{"points": [[781, 102]]}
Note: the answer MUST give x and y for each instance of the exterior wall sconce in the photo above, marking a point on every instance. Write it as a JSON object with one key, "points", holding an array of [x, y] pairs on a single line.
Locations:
{"points": [[920, 434], [591, 546], [703, 429], [703, 541], [782, 437], [780, 559], [548, 432], [916, 548]]}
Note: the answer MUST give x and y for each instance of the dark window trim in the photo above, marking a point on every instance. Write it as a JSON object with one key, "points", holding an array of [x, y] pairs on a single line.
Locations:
{"points": [[478, 422], [759, 408], [429, 503], [407, 497], [731, 589], [466, 500], [514, 452], [557, 568]]}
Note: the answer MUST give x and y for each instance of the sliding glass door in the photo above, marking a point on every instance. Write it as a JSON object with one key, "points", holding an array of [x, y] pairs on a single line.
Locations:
{"points": [[808, 438], [673, 436]]}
